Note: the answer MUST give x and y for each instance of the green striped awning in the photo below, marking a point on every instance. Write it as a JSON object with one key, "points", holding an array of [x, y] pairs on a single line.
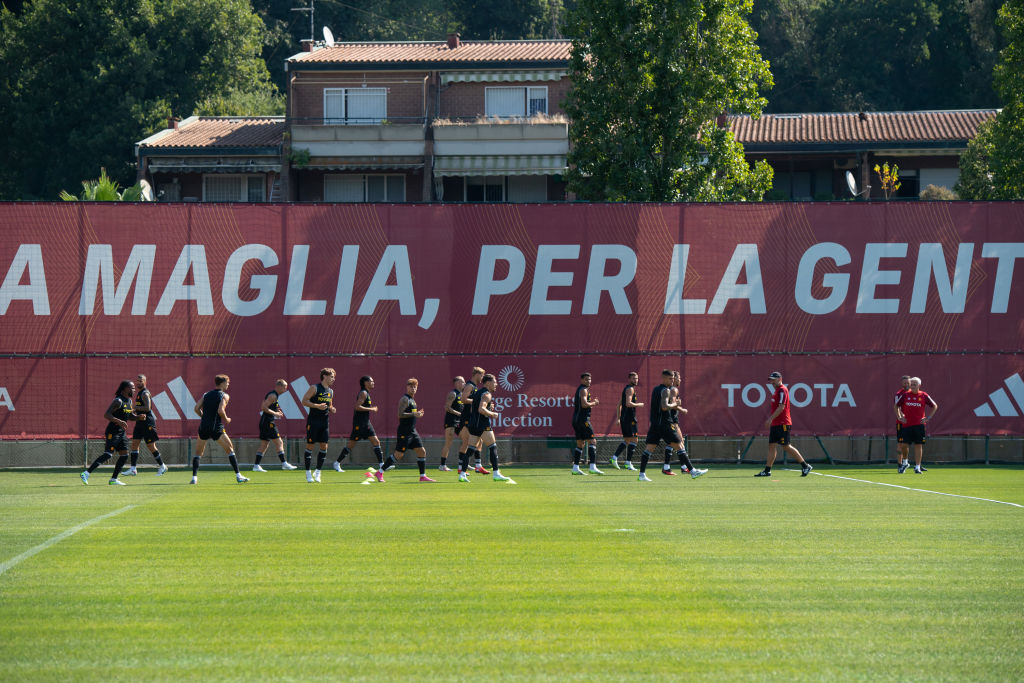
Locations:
{"points": [[534, 164], [502, 76]]}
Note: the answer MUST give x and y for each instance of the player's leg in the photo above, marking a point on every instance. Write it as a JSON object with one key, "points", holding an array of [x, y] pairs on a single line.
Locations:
{"points": [[200, 449], [918, 454], [421, 463], [592, 453], [133, 458], [155, 452], [577, 452], [278, 443], [476, 450], [375, 442], [260, 450], [767, 471], [684, 460], [229, 448], [122, 458], [449, 436]]}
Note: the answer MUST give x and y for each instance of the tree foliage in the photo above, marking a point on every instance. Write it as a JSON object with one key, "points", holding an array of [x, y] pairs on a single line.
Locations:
{"points": [[650, 77], [993, 167], [84, 80], [105, 189]]}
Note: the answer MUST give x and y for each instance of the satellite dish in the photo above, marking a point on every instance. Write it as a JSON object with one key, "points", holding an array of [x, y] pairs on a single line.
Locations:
{"points": [[328, 37], [147, 191], [851, 183]]}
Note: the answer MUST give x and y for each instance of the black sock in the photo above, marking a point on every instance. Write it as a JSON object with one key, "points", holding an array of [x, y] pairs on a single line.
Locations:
{"points": [[344, 452], [156, 456], [259, 457], [121, 460], [473, 455], [592, 455], [492, 454], [767, 468], [668, 457], [308, 458], [135, 458], [644, 457], [99, 461], [684, 459], [444, 458], [388, 463], [422, 464], [463, 461], [280, 456], [321, 456], [380, 455], [630, 450], [622, 447], [195, 465], [577, 453], [234, 461]]}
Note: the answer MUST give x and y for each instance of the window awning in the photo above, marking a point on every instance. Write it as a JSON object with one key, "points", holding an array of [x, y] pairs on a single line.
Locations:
{"points": [[363, 163], [537, 164], [213, 165], [502, 76]]}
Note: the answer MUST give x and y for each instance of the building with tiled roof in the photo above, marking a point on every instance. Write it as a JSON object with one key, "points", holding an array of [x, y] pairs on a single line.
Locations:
{"points": [[482, 121]]}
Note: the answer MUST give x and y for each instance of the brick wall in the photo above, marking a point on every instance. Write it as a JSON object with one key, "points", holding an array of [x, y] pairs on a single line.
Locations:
{"points": [[405, 98], [460, 100]]}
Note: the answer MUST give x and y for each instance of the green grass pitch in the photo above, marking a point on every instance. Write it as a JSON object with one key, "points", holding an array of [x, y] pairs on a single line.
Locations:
{"points": [[558, 578]]}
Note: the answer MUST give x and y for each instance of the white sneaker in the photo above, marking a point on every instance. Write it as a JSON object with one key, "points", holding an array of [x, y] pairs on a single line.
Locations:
{"points": [[696, 472], [316, 476], [258, 468], [288, 466], [116, 482], [241, 480], [160, 470], [337, 466], [309, 476], [131, 472], [444, 468], [594, 470], [498, 476], [195, 480], [85, 476], [463, 477], [643, 477], [629, 466], [576, 470], [615, 463]]}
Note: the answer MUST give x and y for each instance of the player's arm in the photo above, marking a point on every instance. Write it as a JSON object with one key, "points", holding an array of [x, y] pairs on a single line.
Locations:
{"points": [[222, 409], [630, 395], [147, 406], [265, 408], [485, 402], [778, 411], [934, 407], [588, 403], [199, 408], [666, 401], [307, 400], [467, 393], [109, 415], [330, 406], [448, 400], [899, 413], [403, 409]]}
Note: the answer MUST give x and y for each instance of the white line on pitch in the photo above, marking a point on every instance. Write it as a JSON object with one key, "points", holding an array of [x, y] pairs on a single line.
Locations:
{"points": [[58, 538], [909, 488]]}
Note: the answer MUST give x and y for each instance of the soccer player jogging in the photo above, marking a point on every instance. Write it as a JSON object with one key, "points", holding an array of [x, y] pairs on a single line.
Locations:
{"points": [[582, 403], [673, 418], [910, 411], [270, 410], [408, 437], [481, 413], [780, 426], [452, 419], [362, 430], [662, 429], [213, 419], [902, 448], [145, 429], [470, 447], [117, 416], [627, 422], [319, 398]]}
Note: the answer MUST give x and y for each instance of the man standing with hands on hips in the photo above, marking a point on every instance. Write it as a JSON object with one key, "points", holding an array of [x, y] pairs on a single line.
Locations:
{"points": [[780, 425]]}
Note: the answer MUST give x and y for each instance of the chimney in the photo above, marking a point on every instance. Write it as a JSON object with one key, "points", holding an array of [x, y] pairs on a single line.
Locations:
{"points": [[307, 45], [862, 116], [453, 41], [722, 120], [172, 122]]}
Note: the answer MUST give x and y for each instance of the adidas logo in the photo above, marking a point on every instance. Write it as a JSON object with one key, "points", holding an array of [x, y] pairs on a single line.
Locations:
{"points": [[999, 399], [178, 393]]}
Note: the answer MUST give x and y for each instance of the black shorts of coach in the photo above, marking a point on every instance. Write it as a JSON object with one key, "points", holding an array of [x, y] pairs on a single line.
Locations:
{"points": [[583, 430], [115, 443], [144, 431], [361, 432], [408, 441], [210, 434], [658, 433], [914, 434], [628, 428], [268, 430], [780, 434], [317, 433]]}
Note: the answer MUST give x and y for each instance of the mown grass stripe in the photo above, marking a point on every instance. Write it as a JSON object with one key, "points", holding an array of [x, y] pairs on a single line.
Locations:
{"points": [[911, 488]]}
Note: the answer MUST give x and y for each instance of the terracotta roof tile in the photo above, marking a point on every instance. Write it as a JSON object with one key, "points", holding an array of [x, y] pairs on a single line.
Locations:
{"points": [[850, 127], [512, 51], [227, 131]]}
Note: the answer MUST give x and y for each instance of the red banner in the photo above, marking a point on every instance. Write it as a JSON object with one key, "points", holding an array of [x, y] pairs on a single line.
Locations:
{"points": [[842, 298]]}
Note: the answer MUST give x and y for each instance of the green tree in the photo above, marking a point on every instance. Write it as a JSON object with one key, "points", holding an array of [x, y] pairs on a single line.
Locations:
{"points": [[993, 167], [83, 80], [105, 189], [650, 78]]}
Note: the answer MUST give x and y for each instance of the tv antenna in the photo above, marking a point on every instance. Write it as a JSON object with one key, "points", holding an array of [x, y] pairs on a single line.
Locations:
{"points": [[311, 11], [328, 37], [851, 183]]}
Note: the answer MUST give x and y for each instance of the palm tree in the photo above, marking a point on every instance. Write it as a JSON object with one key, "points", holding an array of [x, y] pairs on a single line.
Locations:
{"points": [[105, 189]]}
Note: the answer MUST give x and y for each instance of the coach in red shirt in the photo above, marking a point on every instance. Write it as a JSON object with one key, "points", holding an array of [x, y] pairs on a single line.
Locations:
{"points": [[910, 411], [780, 424]]}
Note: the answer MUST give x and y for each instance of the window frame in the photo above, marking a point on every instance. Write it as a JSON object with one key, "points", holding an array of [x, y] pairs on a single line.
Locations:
{"points": [[364, 177], [345, 119], [243, 195], [525, 91]]}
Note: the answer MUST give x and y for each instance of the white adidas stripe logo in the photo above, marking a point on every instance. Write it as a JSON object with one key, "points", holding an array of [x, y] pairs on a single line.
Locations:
{"points": [[178, 392], [1001, 400]]}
